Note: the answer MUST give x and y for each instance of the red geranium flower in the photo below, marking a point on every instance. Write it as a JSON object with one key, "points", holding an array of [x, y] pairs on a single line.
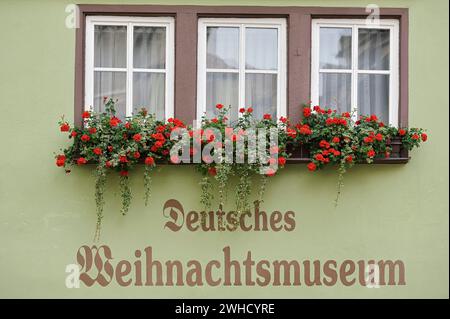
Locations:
{"points": [[415, 136], [306, 112], [349, 159], [60, 160], [267, 116], [136, 155], [281, 161], [114, 121], [137, 137], [124, 173], [219, 106], [159, 144], [291, 132], [424, 137], [241, 110], [108, 164], [81, 161], [305, 129], [158, 136], [150, 161], [65, 127], [371, 153], [312, 167], [270, 172], [123, 159], [92, 130], [379, 137], [86, 115], [212, 171], [324, 144], [85, 138], [73, 134], [335, 139], [319, 157], [368, 140], [97, 151], [401, 132], [250, 110]]}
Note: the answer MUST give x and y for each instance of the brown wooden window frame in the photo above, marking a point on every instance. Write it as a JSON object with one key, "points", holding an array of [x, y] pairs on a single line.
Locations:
{"points": [[299, 22]]}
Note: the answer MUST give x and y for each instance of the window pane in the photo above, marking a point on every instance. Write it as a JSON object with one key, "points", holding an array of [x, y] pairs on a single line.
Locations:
{"points": [[222, 88], [149, 92], [111, 85], [222, 50], [261, 94], [110, 46], [149, 47], [261, 49], [335, 91], [373, 95], [335, 48], [373, 49]]}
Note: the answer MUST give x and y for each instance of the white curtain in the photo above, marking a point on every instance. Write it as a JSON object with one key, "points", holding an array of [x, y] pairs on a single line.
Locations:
{"points": [[149, 52], [335, 48], [149, 92], [373, 89], [335, 91], [149, 47], [261, 54], [222, 48], [222, 88], [111, 85], [373, 49], [261, 94], [261, 49], [373, 95], [110, 51]]}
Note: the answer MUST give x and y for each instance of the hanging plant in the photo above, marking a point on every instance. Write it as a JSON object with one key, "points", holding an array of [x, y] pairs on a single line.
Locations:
{"points": [[235, 134], [335, 139], [114, 145], [117, 146]]}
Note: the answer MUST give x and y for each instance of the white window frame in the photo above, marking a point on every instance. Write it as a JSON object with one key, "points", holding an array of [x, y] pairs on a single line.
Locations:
{"points": [[242, 23], [131, 22], [355, 25]]}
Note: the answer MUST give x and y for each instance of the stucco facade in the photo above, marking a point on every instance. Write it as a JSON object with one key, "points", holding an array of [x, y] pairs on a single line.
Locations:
{"points": [[385, 211]]}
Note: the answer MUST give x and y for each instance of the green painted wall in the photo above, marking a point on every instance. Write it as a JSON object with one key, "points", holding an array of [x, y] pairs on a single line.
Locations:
{"points": [[385, 212]]}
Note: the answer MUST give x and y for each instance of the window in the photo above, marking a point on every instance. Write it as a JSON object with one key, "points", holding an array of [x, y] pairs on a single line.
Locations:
{"points": [[242, 63], [130, 59], [355, 67]]}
